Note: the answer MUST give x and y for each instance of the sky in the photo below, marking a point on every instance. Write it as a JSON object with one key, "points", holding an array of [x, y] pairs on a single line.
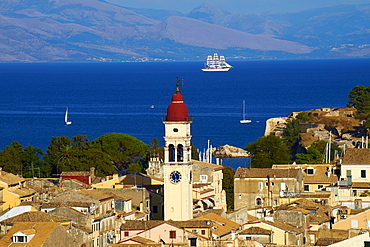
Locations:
{"points": [[237, 6]]}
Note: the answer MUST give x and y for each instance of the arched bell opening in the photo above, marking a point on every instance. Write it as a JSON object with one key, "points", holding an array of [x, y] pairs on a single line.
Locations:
{"points": [[171, 152], [180, 152]]}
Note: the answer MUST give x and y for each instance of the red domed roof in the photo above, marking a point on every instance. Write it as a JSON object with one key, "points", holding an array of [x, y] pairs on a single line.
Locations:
{"points": [[177, 111]]}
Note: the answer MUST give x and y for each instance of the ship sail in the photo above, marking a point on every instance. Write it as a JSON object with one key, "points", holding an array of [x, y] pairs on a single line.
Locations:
{"points": [[216, 63]]}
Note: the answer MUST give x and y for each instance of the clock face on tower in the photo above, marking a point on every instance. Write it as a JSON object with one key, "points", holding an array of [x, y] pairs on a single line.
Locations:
{"points": [[175, 177]]}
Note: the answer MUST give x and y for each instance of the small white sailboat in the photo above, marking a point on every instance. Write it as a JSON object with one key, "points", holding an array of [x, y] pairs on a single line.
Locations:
{"points": [[244, 120], [66, 118]]}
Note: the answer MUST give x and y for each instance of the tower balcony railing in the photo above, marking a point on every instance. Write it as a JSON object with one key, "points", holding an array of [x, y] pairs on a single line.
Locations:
{"points": [[177, 119]]}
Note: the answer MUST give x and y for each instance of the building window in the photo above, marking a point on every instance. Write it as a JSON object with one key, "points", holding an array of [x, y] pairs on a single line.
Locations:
{"points": [[258, 201], [126, 234], [155, 209], [354, 224], [260, 185], [283, 187], [271, 184], [306, 187], [203, 178], [320, 186], [363, 173], [354, 192], [203, 232], [20, 239], [309, 171], [248, 238], [348, 172], [172, 234]]}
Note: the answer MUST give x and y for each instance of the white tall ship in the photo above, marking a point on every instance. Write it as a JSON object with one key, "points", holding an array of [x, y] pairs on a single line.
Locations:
{"points": [[216, 63]]}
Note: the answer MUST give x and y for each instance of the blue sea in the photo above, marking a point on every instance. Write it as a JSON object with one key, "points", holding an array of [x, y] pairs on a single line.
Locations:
{"points": [[131, 98]]}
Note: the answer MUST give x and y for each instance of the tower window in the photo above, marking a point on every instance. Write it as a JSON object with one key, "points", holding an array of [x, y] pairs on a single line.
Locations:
{"points": [[171, 149], [180, 152], [175, 130]]}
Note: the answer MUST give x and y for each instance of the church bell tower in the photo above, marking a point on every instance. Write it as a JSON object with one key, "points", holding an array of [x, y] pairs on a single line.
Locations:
{"points": [[177, 168]]}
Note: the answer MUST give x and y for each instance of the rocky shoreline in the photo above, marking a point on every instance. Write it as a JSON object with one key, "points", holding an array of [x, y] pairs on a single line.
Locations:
{"points": [[228, 151]]}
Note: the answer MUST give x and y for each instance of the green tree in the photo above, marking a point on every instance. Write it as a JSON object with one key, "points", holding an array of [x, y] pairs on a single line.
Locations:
{"points": [[228, 186], [194, 152], [313, 156], [268, 150], [11, 158], [291, 134], [359, 98], [317, 151], [33, 163], [53, 157], [122, 150]]}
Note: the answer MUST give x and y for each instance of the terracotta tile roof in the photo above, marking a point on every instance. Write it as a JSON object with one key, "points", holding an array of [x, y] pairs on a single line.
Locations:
{"points": [[221, 225], [82, 228], [74, 183], [320, 176], [215, 211], [357, 156], [191, 223], [208, 165], [200, 185], [36, 205], [23, 192], [135, 245], [206, 191], [140, 240], [256, 231], [252, 218], [35, 216], [43, 231], [10, 178], [361, 185], [140, 225], [317, 212], [327, 241], [283, 226], [264, 172], [96, 194], [116, 194], [318, 219], [76, 174], [67, 203], [152, 177]]}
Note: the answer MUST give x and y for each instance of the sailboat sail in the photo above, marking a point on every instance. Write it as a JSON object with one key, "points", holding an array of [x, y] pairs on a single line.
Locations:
{"points": [[66, 118], [244, 120]]}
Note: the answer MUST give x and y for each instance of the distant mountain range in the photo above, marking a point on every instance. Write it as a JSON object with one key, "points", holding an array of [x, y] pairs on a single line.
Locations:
{"points": [[96, 30]]}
